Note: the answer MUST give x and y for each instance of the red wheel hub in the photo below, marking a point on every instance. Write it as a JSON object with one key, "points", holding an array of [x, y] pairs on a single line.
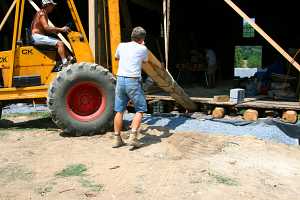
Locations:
{"points": [[85, 101]]}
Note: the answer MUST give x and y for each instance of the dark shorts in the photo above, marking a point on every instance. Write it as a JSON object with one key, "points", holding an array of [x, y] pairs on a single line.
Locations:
{"points": [[129, 89]]}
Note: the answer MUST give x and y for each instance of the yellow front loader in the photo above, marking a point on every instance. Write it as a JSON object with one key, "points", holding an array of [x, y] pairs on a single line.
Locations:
{"points": [[80, 97]]}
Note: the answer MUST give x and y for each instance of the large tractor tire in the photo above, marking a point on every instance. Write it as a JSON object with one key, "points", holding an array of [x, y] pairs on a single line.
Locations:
{"points": [[81, 99]]}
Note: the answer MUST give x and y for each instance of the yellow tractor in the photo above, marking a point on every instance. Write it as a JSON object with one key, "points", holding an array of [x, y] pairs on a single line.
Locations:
{"points": [[80, 97]]}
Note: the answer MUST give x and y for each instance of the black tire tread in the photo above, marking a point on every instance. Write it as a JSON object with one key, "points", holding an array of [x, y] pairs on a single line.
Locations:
{"points": [[66, 75]]}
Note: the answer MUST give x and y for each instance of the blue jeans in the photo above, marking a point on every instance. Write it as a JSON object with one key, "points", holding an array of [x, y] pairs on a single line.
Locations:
{"points": [[129, 89]]}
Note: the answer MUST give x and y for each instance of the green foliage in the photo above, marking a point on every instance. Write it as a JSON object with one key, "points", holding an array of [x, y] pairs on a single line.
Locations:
{"points": [[73, 170], [11, 173], [223, 180], [253, 55], [248, 31], [44, 190], [91, 185]]}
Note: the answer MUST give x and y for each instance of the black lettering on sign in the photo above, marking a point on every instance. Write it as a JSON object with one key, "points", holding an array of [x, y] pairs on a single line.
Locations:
{"points": [[3, 59], [27, 52]]}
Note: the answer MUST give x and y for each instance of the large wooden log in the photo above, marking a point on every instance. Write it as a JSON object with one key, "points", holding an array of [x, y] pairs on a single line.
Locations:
{"points": [[165, 81]]}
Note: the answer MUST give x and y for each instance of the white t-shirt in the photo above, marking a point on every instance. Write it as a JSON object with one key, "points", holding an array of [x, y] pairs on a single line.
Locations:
{"points": [[131, 55]]}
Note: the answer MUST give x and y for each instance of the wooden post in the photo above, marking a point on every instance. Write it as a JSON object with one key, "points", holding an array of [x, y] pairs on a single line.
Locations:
{"points": [[263, 34], [115, 30], [92, 26]]}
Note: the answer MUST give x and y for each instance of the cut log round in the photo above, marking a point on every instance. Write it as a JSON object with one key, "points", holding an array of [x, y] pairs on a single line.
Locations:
{"points": [[218, 113], [290, 116], [250, 115]]}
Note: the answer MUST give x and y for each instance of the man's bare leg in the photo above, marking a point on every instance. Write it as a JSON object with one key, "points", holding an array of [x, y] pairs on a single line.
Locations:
{"points": [[136, 122], [61, 51], [135, 125], [118, 125]]}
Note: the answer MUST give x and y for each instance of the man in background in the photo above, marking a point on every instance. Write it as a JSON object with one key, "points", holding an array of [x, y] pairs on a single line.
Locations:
{"points": [[211, 67]]}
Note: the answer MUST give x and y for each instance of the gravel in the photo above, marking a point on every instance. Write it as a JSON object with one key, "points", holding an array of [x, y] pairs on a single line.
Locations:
{"points": [[179, 123], [196, 123], [22, 108]]}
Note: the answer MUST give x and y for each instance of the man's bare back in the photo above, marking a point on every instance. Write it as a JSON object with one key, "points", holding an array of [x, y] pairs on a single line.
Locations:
{"points": [[40, 27], [36, 26]]}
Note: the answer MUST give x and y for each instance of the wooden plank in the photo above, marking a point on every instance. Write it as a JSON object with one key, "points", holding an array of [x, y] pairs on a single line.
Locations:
{"points": [[115, 30], [249, 102], [271, 105], [221, 98], [264, 34]]}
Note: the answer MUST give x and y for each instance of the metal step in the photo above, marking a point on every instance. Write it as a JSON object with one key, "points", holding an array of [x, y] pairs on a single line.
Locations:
{"points": [[26, 81]]}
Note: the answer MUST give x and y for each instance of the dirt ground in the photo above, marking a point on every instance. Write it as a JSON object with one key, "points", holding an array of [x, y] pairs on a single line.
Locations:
{"points": [[37, 161]]}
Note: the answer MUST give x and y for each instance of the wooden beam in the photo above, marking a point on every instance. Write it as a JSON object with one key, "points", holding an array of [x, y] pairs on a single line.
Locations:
{"points": [[263, 34], [8, 14], [92, 26], [115, 30]]}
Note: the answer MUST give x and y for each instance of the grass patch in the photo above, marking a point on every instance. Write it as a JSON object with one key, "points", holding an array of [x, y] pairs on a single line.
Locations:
{"points": [[13, 173], [223, 179], [241, 111], [72, 170], [94, 187], [44, 190]]}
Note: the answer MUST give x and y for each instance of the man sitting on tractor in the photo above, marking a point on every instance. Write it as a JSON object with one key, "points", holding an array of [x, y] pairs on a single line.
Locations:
{"points": [[40, 27]]}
